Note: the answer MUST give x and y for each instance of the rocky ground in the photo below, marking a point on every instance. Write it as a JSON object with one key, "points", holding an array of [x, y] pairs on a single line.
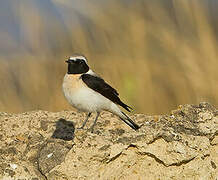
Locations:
{"points": [[46, 145]]}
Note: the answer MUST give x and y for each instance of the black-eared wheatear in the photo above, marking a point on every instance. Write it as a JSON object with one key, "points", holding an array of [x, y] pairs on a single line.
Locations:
{"points": [[88, 92]]}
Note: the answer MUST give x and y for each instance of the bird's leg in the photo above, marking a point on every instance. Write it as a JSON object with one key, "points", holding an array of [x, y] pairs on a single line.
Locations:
{"points": [[84, 123], [92, 127]]}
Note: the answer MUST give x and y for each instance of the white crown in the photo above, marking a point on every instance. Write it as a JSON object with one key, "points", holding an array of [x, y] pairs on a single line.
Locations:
{"points": [[75, 57]]}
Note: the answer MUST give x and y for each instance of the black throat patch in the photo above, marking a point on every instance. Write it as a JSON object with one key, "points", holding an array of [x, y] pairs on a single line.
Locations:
{"points": [[77, 67]]}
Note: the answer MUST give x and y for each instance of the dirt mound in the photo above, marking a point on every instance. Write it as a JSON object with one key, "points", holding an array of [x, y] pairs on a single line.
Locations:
{"points": [[46, 145]]}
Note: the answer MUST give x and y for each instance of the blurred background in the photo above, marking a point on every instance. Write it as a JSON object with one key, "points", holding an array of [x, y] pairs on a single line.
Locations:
{"points": [[157, 54]]}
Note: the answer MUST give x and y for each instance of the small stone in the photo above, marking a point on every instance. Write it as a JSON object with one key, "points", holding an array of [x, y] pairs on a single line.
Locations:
{"points": [[13, 166]]}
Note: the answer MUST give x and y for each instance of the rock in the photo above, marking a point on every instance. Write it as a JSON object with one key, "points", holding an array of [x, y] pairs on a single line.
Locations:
{"points": [[44, 145], [51, 154]]}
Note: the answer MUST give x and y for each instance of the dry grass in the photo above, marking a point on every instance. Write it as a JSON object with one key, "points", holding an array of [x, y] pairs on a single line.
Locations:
{"points": [[157, 56]]}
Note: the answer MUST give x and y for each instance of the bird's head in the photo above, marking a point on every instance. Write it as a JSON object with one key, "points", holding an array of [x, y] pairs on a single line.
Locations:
{"points": [[77, 64]]}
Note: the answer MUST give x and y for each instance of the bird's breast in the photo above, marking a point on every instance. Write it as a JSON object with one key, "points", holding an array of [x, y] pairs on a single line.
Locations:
{"points": [[73, 88], [82, 97], [72, 83]]}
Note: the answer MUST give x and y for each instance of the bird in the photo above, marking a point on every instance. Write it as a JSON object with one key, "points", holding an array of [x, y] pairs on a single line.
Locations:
{"points": [[88, 92]]}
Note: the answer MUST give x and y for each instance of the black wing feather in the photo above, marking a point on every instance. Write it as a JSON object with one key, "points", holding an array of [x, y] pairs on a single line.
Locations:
{"points": [[99, 85]]}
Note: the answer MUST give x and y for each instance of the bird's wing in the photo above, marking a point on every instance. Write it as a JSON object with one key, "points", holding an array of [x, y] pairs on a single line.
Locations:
{"points": [[99, 85]]}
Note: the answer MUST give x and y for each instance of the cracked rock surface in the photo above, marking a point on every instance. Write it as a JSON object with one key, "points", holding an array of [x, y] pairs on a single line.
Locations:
{"points": [[45, 145]]}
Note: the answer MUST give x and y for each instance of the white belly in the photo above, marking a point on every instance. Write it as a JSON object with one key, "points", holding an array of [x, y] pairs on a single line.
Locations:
{"points": [[82, 97]]}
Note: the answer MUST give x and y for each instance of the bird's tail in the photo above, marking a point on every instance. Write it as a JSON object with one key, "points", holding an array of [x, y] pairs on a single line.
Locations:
{"points": [[129, 122], [126, 107]]}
